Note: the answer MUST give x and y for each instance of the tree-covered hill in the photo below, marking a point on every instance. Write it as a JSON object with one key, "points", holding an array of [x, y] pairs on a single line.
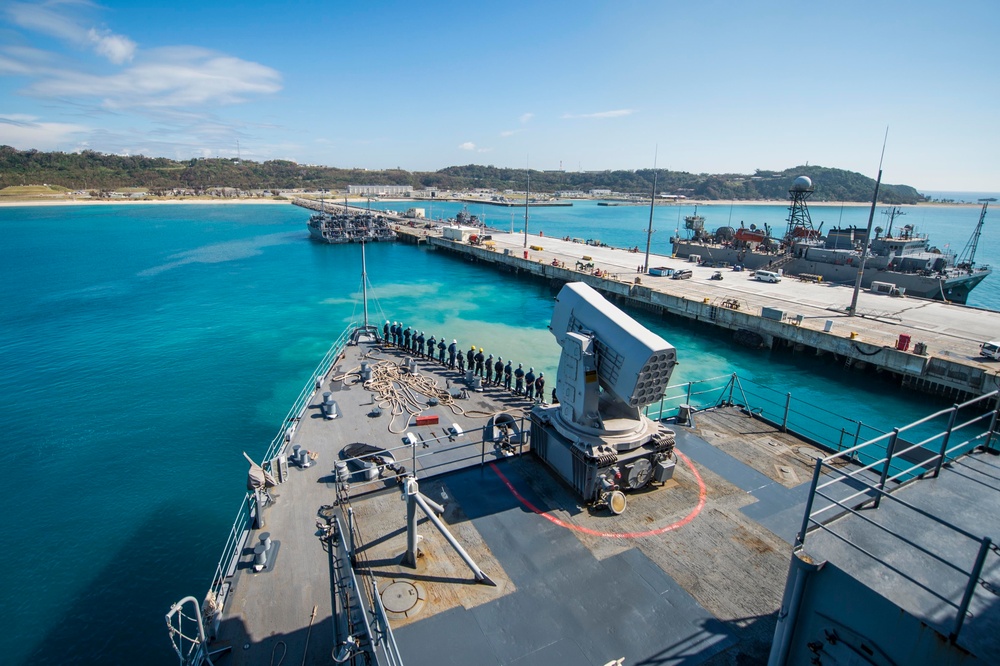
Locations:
{"points": [[90, 170]]}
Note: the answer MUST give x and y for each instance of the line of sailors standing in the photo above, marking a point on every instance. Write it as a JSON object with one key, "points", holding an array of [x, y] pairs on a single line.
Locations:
{"points": [[493, 372]]}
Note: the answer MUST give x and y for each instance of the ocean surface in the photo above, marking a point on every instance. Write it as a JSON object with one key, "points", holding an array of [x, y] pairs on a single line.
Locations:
{"points": [[144, 347]]}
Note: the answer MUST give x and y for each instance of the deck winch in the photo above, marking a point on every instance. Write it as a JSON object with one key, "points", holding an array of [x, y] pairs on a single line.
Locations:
{"points": [[596, 437]]}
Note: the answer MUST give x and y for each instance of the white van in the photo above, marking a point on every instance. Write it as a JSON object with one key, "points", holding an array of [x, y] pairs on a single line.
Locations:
{"points": [[767, 276], [990, 349]]}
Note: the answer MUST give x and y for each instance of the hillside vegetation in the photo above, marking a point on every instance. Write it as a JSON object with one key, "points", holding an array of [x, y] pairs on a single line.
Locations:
{"points": [[91, 171]]}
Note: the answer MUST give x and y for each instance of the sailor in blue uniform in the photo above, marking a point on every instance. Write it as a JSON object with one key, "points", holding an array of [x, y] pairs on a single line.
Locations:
{"points": [[498, 370], [419, 349], [385, 331], [406, 338], [431, 344], [452, 351], [540, 387], [470, 357], [441, 347], [519, 380], [529, 381], [507, 373]]}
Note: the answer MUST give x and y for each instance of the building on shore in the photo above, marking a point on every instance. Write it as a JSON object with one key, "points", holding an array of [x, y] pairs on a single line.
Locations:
{"points": [[381, 190]]}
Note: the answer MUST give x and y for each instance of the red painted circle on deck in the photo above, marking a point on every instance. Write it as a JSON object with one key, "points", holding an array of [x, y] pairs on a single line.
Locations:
{"points": [[620, 535]]}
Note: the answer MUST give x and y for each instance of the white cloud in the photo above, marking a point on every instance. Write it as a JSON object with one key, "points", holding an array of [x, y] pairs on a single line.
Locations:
{"points": [[468, 145], [618, 113], [25, 132], [54, 18], [116, 48], [173, 77], [525, 117], [506, 133]]}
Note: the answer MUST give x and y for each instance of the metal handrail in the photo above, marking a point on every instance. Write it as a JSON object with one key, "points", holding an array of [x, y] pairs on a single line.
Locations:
{"points": [[242, 524], [874, 491], [238, 532], [722, 390], [299, 405]]}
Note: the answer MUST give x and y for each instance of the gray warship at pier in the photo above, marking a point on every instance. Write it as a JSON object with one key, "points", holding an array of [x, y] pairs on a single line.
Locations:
{"points": [[904, 260]]}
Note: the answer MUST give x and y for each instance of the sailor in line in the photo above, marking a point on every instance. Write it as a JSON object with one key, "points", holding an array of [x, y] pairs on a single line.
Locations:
{"points": [[480, 359], [540, 387], [497, 370], [489, 370], [507, 373], [529, 380], [452, 350], [519, 377]]}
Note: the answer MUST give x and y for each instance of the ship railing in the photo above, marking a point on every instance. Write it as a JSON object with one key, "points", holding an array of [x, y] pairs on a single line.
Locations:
{"points": [[838, 490], [805, 419], [298, 407], [358, 591], [239, 532], [242, 525]]}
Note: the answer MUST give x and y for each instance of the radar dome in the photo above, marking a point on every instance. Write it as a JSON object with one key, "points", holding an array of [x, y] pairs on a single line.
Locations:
{"points": [[802, 184]]}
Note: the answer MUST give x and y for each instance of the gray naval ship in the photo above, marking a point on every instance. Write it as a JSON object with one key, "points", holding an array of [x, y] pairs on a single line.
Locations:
{"points": [[900, 263], [409, 513], [349, 226]]}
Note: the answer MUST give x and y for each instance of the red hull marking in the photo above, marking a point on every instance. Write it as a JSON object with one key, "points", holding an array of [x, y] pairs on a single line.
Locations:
{"points": [[618, 535]]}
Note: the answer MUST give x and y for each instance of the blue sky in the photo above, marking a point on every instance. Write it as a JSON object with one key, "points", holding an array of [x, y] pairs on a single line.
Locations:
{"points": [[711, 86]]}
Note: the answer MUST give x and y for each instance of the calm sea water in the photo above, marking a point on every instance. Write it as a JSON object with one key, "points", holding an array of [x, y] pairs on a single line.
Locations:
{"points": [[143, 348]]}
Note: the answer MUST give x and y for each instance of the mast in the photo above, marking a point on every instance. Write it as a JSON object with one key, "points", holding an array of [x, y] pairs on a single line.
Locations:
{"points": [[652, 203], [893, 214], [868, 234], [364, 282], [526, 190]]}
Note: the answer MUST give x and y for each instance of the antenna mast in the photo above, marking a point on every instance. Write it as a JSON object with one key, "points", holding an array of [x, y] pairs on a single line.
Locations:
{"points": [[526, 190], [652, 203], [364, 282], [868, 234]]}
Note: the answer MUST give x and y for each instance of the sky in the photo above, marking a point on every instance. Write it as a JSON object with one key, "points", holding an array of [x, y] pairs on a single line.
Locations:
{"points": [[706, 87]]}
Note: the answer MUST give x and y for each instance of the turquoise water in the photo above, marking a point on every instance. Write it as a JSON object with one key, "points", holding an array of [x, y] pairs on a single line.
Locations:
{"points": [[143, 348]]}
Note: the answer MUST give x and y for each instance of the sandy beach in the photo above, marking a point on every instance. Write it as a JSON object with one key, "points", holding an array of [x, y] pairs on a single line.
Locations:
{"points": [[135, 202]]}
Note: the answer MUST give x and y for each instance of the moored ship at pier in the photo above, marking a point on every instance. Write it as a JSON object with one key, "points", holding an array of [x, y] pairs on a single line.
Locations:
{"points": [[350, 227], [906, 259]]}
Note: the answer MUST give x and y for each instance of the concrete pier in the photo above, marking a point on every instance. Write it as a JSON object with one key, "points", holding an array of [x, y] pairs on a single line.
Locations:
{"points": [[798, 313], [792, 312]]}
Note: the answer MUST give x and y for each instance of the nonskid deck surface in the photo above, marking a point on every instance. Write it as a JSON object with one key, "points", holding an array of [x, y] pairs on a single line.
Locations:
{"points": [[276, 605], [692, 572], [966, 495]]}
